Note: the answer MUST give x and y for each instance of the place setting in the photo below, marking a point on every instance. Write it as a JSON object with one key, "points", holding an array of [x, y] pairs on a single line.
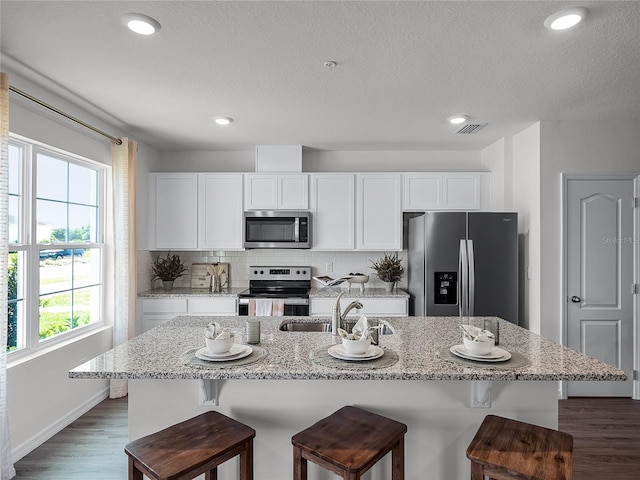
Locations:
{"points": [[355, 349], [221, 350], [478, 348]]}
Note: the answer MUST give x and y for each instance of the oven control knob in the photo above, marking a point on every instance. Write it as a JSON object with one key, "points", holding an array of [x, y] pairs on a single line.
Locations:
{"points": [[297, 272], [255, 272], [261, 272]]}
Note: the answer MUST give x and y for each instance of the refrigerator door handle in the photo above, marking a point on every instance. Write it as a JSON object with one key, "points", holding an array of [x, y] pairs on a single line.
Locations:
{"points": [[472, 277], [463, 280]]}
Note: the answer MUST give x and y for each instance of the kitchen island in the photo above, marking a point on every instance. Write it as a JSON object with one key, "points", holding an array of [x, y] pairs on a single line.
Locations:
{"points": [[292, 385]]}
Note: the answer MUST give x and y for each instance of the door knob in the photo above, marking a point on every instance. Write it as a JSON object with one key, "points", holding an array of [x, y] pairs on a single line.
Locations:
{"points": [[576, 299]]}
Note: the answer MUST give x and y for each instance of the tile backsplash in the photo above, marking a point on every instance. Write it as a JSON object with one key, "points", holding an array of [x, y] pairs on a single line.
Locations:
{"points": [[334, 264]]}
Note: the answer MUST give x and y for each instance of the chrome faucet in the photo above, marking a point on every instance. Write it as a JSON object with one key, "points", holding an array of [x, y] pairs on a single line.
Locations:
{"points": [[337, 317]]}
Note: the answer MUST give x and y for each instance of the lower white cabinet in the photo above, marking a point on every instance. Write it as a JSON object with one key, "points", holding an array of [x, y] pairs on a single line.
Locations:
{"points": [[375, 307], [159, 310], [213, 306]]}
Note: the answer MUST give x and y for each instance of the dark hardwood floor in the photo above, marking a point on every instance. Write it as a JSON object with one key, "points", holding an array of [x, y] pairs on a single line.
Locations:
{"points": [[92, 447], [606, 435]]}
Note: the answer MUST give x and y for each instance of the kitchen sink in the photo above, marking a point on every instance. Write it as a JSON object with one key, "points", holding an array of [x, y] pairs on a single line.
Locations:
{"points": [[325, 326]]}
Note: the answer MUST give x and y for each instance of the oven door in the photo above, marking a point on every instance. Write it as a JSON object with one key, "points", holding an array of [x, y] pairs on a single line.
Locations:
{"points": [[293, 307]]}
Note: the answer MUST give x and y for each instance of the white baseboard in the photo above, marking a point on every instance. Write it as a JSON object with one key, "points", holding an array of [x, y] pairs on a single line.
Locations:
{"points": [[38, 439]]}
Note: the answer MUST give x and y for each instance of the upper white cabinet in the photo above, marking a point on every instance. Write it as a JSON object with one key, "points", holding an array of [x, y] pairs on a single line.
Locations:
{"points": [[173, 211], [379, 211], [220, 211], [422, 191], [446, 191], [190, 211], [333, 211], [276, 191]]}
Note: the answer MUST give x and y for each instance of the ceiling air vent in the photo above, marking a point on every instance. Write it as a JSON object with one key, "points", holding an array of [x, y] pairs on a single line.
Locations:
{"points": [[470, 128]]}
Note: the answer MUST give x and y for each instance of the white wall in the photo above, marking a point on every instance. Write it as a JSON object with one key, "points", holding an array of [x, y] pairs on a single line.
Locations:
{"points": [[494, 158], [327, 161], [595, 147], [526, 201], [41, 399]]}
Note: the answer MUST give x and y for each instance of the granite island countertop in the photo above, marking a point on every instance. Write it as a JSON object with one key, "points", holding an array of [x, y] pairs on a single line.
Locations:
{"points": [[418, 341]]}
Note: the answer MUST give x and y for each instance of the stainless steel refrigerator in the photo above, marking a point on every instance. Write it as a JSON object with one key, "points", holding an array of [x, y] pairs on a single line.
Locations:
{"points": [[463, 263]]}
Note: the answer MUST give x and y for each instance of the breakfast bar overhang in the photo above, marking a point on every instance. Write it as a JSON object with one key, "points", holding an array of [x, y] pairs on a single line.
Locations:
{"points": [[443, 401]]}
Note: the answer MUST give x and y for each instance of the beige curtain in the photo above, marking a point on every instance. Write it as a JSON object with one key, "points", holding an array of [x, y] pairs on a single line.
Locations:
{"points": [[6, 463], [123, 158]]}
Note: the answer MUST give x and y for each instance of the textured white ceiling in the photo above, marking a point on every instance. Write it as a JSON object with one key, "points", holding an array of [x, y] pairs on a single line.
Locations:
{"points": [[402, 68]]}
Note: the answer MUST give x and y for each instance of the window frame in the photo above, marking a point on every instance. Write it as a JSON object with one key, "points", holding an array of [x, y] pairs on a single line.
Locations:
{"points": [[29, 245]]}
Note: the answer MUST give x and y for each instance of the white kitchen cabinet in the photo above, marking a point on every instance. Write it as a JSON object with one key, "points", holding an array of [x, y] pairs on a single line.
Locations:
{"points": [[371, 306], [220, 225], [422, 191], [379, 212], [461, 191], [216, 306], [446, 191], [276, 191], [333, 211], [159, 310], [173, 211]]}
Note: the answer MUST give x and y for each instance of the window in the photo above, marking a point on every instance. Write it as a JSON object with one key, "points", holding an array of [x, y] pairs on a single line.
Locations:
{"points": [[56, 244]]}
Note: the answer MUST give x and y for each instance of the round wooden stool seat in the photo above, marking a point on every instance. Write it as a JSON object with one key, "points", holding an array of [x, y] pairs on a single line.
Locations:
{"points": [[190, 448], [507, 449], [349, 442]]}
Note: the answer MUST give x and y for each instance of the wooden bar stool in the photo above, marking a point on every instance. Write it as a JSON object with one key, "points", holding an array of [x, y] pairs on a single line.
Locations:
{"points": [[349, 442], [190, 448], [506, 449]]}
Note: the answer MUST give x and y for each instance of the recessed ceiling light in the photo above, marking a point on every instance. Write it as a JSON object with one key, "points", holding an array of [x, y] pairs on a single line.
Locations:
{"points": [[564, 19], [141, 24], [457, 119], [223, 120]]}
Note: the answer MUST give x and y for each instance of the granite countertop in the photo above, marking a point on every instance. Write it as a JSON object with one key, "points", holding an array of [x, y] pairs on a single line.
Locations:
{"points": [[314, 293], [191, 292], [354, 292], [420, 342]]}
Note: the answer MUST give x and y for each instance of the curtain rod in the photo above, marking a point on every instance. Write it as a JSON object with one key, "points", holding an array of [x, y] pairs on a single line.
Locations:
{"points": [[115, 140]]}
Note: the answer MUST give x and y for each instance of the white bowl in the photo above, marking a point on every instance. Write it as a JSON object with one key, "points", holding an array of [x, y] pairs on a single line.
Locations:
{"points": [[219, 346], [355, 347], [483, 346], [359, 279]]}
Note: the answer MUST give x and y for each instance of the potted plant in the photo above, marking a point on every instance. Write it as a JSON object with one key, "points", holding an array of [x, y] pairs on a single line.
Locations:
{"points": [[389, 269], [168, 269]]}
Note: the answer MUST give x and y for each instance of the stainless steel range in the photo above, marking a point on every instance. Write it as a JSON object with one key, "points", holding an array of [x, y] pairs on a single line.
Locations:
{"points": [[292, 284]]}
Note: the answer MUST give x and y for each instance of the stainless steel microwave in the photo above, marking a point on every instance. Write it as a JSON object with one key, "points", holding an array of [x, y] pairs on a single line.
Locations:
{"points": [[277, 229]]}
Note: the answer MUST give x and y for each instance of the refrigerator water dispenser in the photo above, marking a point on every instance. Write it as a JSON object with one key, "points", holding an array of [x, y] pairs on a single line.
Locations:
{"points": [[445, 288]]}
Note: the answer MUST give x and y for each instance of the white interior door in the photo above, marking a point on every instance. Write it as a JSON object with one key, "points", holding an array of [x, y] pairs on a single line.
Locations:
{"points": [[600, 244]]}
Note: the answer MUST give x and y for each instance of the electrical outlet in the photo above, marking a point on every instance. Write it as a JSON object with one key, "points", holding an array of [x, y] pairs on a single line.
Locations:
{"points": [[328, 267]]}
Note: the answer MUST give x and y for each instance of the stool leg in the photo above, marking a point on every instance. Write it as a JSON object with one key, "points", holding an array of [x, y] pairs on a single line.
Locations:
{"points": [[246, 461], [299, 465], [477, 472], [134, 473], [397, 461], [211, 474]]}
